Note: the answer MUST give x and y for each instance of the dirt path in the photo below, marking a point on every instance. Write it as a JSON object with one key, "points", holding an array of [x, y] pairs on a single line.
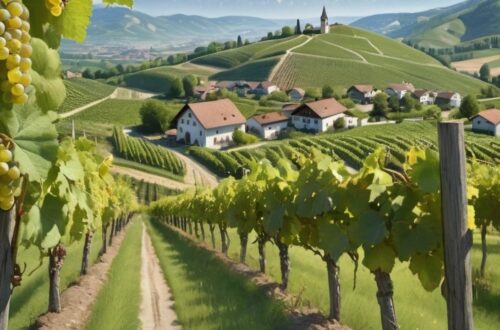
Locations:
{"points": [[284, 57], [371, 44], [157, 307], [85, 107], [151, 178], [196, 174], [346, 49], [77, 301]]}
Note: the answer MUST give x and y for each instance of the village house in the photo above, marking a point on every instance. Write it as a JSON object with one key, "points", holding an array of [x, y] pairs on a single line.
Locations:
{"points": [[288, 109], [268, 125], [448, 99], [362, 94], [208, 124], [73, 74], [265, 88], [320, 116], [399, 90], [487, 121], [296, 94], [424, 96]]}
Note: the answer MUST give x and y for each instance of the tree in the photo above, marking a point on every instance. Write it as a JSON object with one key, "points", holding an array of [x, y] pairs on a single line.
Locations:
{"points": [[286, 31], [155, 116], [394, 103], [270, 35], [239, 43], [298, 29], [327, 92], [339, 123], [189, 82], [176, 88], [484, 72], [469, 107], [308, 27], [313, 93], [409, 102], [380, 106], [88, 74]]}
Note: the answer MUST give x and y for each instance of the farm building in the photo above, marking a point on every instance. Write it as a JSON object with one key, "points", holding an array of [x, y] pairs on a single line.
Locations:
{"points": [[399, 90], [448, 99], [361, 93], [296, 94], [265, 88], [289, 108], [73, 74], [424, 96], [268, 125], [208, 124], [320, 116], [487, 121]]}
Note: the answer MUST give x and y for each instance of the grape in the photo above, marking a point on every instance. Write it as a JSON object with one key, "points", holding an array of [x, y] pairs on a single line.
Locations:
{"points": [[14, 173], [2, 28], [16, 33], [17, 90], [25, 80], [15, 8], [5, 191], [6, 204], [22, 99], [26, 50], [4, 168], [4, 15], [14, 23], [14, 76], [25, 64], [5, 156], [4, 53], [14, 45], [56, 11]]}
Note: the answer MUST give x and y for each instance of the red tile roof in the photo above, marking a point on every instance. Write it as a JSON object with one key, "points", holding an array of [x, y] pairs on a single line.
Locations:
{"points": [[324, 108], [214, 114], [402, 87], [491, 115], [420, 92], [363, 88], [270, 118]]}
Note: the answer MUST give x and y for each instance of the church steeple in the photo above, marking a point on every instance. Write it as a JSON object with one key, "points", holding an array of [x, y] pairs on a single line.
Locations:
{"points": [[324, 16]]}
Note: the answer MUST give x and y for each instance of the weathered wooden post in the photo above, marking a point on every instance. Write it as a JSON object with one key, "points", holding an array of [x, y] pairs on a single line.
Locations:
{"points": [[457, 237]]}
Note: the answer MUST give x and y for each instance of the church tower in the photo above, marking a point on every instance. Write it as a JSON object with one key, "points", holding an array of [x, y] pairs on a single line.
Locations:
{"points": [[325, 27]]}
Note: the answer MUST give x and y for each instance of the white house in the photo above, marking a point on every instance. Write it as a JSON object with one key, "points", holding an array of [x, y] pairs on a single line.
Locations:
{"points": [[296, 94], [450, 99], [487, 121], [423, 96], [320, 116], [268, 125], [363, 94], [209, 124], [399, 90], [265, 88]]}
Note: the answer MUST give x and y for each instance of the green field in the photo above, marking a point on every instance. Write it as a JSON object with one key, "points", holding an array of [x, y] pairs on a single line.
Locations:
{"points": [[359, 306], [207, 294], [158, 80], [93, 64], [30, 300], [118, 302], [255, 70], [83, 91]]}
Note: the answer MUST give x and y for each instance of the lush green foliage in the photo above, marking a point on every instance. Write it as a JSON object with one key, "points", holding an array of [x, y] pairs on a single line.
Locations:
{"points": [[141, 151], [242, 138], [155, 116]]}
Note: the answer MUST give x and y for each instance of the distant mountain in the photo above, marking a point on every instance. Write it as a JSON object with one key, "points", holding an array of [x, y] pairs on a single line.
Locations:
{"points": [[118, 26], [441, 27]]}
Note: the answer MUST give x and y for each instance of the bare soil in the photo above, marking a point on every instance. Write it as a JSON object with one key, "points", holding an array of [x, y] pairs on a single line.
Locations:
{"points": [[301, 318], [150, 178], [77, 300], [157, 307], [475, 64]]}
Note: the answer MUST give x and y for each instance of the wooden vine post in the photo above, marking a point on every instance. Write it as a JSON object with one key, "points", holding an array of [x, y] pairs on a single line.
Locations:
{"points": [[457, 237]]}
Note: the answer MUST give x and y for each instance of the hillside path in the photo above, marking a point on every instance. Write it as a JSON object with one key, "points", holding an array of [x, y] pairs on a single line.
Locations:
{"points": [[371, 44], [346, 49], [150, 178], [196, 174], [284, 58], [157, 305]]}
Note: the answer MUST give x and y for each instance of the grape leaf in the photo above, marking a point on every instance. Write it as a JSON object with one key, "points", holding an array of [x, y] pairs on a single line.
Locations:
{"points": [[332, 239], [35, 138], [429, 270], [368, 230], [426, 173], [381, 257]]}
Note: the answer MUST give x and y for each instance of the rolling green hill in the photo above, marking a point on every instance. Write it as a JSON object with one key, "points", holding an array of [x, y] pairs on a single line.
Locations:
{"points": [[342, 58], [83, 91]]}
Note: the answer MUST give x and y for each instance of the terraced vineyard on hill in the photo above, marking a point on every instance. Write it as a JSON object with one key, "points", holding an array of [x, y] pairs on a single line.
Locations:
{"points": [[351, 146], [82, 91]]}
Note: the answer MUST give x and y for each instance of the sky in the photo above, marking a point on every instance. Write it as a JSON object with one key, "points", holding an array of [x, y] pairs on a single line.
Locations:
{"points": [[283, 8]]}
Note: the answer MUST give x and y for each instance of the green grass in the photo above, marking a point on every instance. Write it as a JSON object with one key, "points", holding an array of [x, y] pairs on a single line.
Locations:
{"points": [[84, 91], [319, 48], [254, 70], [31, 299], [415, 307], [146, 168], [207, 295], [495, 103], [442, 36], [117, 304], [93, 64], [112, 112]]}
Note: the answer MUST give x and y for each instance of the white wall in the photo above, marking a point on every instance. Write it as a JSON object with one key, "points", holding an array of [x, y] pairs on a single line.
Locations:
{"points": [[481, 124], [456, 100], [316, 124], [212, 138]]}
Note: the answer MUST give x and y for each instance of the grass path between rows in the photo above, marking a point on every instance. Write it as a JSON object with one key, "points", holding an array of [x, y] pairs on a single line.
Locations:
{"points": [[207, 294], [117, 305]]}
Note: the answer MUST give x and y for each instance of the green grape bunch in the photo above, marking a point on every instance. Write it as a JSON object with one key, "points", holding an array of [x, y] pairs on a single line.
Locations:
{"points": [[15, 53], [10, 175], [56, 6]]}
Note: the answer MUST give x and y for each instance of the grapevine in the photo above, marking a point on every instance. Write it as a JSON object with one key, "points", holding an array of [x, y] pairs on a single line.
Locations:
{"points": [[10, 176]]}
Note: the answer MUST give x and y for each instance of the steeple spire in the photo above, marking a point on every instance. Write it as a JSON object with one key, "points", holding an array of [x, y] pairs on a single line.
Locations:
{"points": [[324, 16]]}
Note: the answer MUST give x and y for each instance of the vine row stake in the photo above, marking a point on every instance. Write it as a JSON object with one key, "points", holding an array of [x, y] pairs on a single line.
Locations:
{"points": [[457, 237]]}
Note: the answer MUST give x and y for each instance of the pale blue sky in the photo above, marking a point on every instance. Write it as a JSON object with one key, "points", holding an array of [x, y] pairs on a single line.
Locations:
{"points": [[284, 8]]}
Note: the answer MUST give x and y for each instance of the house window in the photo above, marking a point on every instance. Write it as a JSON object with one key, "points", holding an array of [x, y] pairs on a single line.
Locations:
{"points": [[201, 133], [189, 115], [217, 132], [194, 123], [303, 120], [188, 122], [269, 128], [182, 121], [180, 129], [315, 121]]}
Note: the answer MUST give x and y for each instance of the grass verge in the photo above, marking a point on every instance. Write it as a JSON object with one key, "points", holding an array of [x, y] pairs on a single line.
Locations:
{"points": [[117, 305], [207, 294], [146, 168], [31, 299]]}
